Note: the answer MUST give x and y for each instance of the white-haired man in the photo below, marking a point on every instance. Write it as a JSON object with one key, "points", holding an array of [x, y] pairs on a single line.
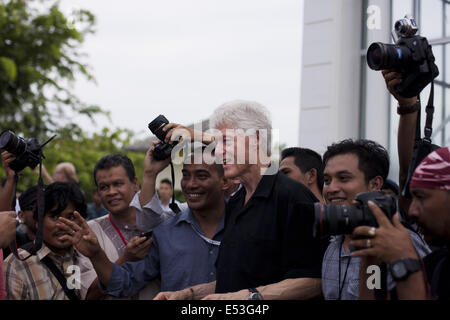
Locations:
{"points": [[268, 251]]}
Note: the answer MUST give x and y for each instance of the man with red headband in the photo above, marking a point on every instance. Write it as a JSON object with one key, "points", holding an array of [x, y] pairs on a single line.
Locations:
{"points": [[391, 242]]}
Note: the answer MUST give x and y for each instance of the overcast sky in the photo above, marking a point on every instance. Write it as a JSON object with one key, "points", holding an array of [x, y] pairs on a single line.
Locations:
{"points": [[184, 58]]}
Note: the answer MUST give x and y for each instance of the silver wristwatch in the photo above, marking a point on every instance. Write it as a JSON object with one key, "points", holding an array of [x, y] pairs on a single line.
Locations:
{"points": [[254, 294]]}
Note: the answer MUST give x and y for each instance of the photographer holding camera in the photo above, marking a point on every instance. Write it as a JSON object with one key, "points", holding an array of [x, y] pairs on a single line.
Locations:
{"points": [[429, 184], [184, 247], [390, 242], [351, 168]]}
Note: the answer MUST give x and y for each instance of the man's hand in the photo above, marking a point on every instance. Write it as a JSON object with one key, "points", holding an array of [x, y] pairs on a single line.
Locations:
{"points": [[185, 294], [393, 79], [7, 158], [390, 243], [137, 249], [80, 234], [238, 295], [8, 224], [151, 166], [178, 132]]}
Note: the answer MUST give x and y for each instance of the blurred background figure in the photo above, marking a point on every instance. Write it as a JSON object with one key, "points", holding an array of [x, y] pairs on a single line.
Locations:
{"points": [[304, 166], [26, 231], [165, 192], [64, 172], [95, 209], [390, 187]]}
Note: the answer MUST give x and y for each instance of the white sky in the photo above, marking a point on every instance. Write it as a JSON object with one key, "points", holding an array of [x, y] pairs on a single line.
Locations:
{"points": [[184, 58]]}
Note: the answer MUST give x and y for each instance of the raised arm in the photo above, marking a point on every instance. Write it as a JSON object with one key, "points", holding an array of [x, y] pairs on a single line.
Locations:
{"points": [[406, 130], [7, 194]]}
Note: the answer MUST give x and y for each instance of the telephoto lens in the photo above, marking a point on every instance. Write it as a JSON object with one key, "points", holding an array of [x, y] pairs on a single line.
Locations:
{"points": [[11, 143], [341, 219], [381, 56]]}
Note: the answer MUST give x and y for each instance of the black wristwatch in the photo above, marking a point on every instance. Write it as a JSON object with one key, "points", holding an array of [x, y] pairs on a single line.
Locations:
{"points": [[254, 294], [402, 268]]}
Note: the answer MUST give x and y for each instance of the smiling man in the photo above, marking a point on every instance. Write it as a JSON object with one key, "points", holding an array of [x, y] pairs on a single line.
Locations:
{"points": [[184, 248], [32, 279], [352, 167], [118, 234]]}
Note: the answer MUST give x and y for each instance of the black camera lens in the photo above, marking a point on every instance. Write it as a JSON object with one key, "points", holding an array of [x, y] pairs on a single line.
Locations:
{"points": [[11, 143], [157, 125], [381, 56], [335, 219]]}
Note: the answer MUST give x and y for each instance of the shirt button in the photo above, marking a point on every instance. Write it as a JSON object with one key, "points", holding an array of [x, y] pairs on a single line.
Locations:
{"points": [[212, 273], [211, 252], [126, 227]]}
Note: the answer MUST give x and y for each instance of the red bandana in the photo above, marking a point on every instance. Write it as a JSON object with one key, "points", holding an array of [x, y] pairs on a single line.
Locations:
{"points": [[434, 171]]}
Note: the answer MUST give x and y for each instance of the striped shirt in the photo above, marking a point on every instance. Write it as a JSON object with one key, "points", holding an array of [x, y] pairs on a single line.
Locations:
{"points": [[32, 280]]}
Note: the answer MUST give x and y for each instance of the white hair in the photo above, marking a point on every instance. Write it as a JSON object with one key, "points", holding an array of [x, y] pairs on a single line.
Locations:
{"points": [[246, 115]]}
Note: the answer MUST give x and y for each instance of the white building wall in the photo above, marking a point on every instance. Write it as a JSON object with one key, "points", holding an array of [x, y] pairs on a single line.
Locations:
{"points": [[331, 79], [329, 108]]}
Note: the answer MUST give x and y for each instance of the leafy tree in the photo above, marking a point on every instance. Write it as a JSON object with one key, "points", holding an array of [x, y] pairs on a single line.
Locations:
{"points": [[39, 59]]}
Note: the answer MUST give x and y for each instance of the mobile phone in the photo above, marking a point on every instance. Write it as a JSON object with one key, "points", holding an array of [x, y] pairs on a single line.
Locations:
{"points": [[147, 234]]}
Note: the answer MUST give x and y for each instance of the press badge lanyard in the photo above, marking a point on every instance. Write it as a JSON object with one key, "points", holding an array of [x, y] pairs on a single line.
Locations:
{"points": [[346, 269], [117, 229], [210, 241]]}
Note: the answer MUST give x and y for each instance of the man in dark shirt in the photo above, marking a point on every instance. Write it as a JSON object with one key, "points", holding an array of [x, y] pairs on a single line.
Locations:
{"points": [[269, 239]]}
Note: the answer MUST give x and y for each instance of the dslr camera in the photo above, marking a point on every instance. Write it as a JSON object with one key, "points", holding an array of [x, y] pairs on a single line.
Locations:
{"points": [[162, 150], [28, 152], [341, 219], [411, 55]]}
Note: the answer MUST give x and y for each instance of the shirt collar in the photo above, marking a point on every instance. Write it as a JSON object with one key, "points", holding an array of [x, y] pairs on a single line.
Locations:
{"points": [[45, 251], [265, 186], [186, 216]]}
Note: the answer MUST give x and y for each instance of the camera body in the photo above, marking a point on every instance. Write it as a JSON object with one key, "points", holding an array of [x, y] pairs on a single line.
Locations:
{"points": [[28, 152], [162, 150], [411, 55], [341, 219]]}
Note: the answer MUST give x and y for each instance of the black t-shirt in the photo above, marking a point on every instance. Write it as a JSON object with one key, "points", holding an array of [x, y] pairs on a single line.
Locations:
{"points": [[270, 238], [437, 265]]}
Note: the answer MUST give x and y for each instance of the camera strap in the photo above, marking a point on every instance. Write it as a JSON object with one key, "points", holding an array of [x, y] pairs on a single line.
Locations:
{"points": [[422, 146], [40, 208], [37, 244], [173, 205], [428, 130], [70, 293]]}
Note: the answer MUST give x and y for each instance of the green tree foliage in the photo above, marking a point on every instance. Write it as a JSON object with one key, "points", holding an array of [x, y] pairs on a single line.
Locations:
{"points": [[39, 59]]}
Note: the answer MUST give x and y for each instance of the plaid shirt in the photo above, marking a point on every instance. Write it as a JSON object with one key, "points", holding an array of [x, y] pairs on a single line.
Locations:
{"points": [[32, 280]]}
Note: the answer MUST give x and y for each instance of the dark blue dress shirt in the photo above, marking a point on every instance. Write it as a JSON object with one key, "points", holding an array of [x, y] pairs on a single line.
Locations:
{"points": [[180, 254]]}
